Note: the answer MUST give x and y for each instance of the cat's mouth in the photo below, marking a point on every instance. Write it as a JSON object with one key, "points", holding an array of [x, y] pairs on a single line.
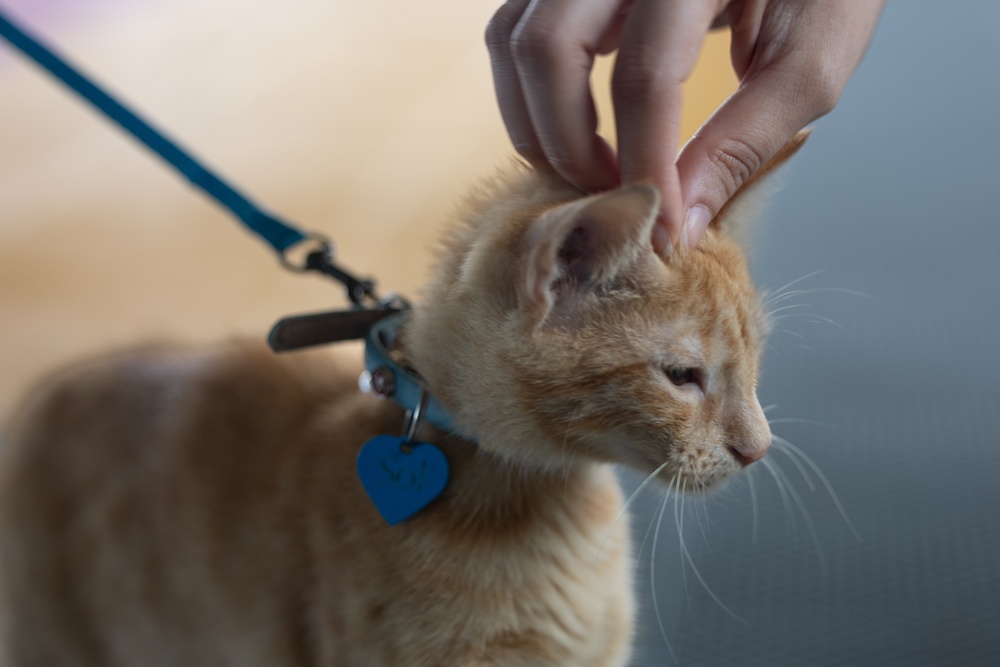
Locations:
{"points": [[699, 471]]}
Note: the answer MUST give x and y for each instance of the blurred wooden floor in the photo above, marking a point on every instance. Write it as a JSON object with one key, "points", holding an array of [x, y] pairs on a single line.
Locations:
{"points": [[364, 120]]}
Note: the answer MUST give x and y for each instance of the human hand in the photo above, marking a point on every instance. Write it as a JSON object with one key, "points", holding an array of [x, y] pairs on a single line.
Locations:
{"points": [[793, 59]]}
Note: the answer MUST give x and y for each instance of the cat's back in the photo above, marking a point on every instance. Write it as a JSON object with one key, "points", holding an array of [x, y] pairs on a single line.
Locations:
{"points": [[137, 482], [151, 408]]}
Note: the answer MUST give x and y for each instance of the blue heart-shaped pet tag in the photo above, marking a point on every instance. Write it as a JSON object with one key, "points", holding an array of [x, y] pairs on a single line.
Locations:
{"points": [[400, 482]]}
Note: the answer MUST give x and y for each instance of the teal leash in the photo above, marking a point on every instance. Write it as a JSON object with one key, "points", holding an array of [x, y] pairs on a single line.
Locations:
{"points": [[401, 475], [280, 235]]}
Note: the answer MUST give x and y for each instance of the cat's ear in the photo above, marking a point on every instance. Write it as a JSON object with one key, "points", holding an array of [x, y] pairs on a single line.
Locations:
{"points": [[738, 215], [588, 242]]}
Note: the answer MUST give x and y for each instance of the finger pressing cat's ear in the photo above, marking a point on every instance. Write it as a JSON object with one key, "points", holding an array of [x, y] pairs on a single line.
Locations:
{"points": [[746, 139], [710, 182]]}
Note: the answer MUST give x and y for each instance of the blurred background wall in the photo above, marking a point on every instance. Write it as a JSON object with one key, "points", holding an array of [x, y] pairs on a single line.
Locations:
{"points": [[364, 120]]}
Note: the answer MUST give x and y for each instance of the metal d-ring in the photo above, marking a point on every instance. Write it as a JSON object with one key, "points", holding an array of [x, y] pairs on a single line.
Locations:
{"points": [[393, 302], [413, 419], [316, 243]]}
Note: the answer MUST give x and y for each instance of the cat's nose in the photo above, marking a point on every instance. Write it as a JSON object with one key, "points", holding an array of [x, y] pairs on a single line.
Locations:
{"points": [[750, 434], [747, 453]]}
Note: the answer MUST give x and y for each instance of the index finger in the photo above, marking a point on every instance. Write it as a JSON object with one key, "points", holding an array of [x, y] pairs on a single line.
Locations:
{"points": [[553, 50], [659, 46]]}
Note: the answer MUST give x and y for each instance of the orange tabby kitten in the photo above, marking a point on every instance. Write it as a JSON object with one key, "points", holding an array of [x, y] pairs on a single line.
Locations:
{"points": [[201, 507]]}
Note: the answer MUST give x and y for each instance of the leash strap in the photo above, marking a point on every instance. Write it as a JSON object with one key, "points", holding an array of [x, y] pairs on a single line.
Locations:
{"points": [[275, 232]]}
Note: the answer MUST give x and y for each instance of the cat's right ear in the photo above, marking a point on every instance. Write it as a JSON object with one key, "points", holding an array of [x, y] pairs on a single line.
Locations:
{"points": [[587, 243]]}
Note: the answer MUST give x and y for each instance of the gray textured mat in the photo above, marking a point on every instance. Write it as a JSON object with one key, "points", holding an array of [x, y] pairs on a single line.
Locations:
{"points": [[895, 196]]}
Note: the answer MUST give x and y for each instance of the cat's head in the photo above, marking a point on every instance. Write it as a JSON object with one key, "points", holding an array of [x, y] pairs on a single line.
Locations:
{"points": [[554, 334]]}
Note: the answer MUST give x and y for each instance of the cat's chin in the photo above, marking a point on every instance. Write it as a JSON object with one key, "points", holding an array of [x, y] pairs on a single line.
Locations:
{"points": [[693, 479]]}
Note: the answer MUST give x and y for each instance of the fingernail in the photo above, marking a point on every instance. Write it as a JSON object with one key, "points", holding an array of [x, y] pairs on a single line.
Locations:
{"points": [[695, 223], [662, 243]]}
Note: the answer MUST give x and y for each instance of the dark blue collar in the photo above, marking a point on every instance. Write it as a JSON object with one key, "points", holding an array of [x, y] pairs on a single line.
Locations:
{"points": [[388, 379]]}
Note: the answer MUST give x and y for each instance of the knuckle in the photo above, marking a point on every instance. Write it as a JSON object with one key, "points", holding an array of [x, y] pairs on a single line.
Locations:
{"points": [[824, 88], [501, 27], [637, 72], [799, 49], [735, 161], [535, 44], [819, 81]]}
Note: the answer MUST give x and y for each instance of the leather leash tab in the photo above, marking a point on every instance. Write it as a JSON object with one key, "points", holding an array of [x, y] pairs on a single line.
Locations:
{"points": [[299, 331]]}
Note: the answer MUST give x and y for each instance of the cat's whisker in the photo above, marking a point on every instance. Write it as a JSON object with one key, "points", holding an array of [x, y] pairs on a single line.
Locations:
{"points": [[794, 334], [781, 490], [706, 531], [784, 296], [778, 442], [768, 408], [812, 318], [789, 447], [811, 422], [697, 573], [772, 348], [701, 526], [627, 504], [821, 319], [775, 345], [810, 526], [642, 545], [679, 524], [781, 290], [772, 342], [654, 521], [791, 306], [753, 505], [769, 345], [652, 580]]}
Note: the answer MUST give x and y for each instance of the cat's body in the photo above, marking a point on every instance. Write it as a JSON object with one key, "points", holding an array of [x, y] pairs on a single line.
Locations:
{"points": [[235, 531], [201, 507]]}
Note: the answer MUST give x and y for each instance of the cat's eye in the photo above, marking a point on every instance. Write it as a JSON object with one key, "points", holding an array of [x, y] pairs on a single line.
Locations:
{"points": [[680, 376]]}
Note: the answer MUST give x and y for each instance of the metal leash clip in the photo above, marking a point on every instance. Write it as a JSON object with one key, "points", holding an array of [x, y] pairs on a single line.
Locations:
{"points": [[319, 256]]}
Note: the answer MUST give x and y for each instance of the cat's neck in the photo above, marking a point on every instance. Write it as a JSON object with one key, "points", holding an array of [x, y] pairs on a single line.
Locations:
{"points": [[491, 495], [489, 487]]}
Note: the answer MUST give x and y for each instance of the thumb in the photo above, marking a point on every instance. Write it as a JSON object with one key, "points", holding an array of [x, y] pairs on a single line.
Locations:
{"points": [[741, 137]]}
